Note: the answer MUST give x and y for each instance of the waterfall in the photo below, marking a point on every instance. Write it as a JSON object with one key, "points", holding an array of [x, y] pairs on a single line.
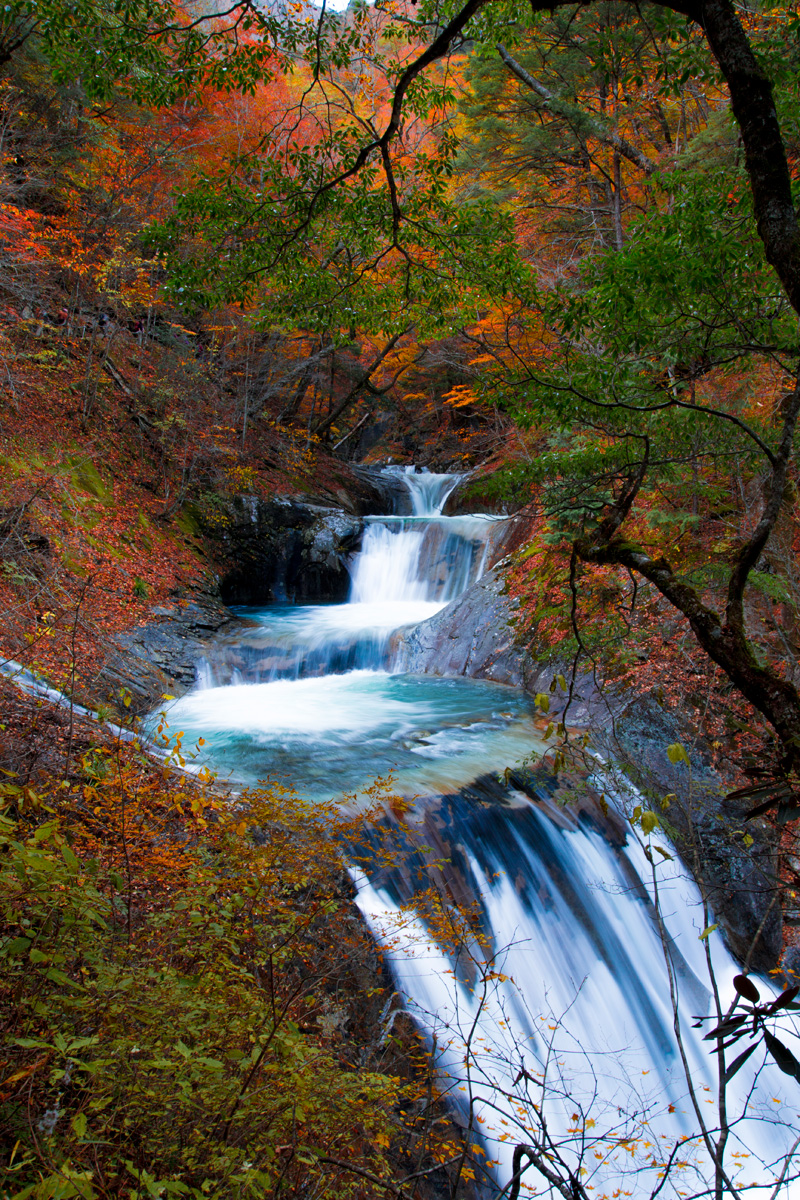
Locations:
{"points": [[557, 996], [431, 560], [387, 569], [568, 983], [428, 491], [407, 569], [427, 557]]}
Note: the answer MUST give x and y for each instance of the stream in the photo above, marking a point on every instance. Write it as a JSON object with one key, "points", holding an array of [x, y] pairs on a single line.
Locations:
{"points": [[554, 1006]]}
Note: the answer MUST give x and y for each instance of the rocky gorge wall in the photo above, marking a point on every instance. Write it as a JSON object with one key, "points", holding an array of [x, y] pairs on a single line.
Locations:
{"points": [[284, 551], [290, 550], [260, 552]]}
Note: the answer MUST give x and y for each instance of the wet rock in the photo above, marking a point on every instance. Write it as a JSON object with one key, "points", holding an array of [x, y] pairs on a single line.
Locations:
{"points": [[389, 493], [737, 876], [282, 550], [472, 636], [790, 965], [468, 498], [357, 490], [160, 656], [475, 635]]}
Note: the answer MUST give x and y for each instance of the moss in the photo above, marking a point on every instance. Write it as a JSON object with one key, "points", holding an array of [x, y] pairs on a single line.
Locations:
{"points": [[85, 475]]}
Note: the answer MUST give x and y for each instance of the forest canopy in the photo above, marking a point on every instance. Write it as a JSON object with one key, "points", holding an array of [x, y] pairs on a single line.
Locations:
{"points": [[595, 201], [665, 136], [247, 250]]}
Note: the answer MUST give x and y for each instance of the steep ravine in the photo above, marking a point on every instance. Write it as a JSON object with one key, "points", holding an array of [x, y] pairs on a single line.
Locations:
{"points": [[420, 673], [291, 550]]}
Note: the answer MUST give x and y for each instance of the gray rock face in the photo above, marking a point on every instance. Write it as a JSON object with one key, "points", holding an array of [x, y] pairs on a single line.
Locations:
{"points": [[160, 656], [282, 550], [389, 493], [737, 876], [474, 636], [471, 636]]}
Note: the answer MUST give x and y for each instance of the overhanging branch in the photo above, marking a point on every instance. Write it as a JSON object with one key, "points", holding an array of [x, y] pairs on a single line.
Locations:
{"points": [[578, 118]]}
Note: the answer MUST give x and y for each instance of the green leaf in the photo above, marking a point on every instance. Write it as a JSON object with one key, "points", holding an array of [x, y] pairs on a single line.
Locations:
{"points": [[62, 978], [16, 946], [738, 1062], [782, 1055], [70, 860], [745, 987], [78, 1123]]}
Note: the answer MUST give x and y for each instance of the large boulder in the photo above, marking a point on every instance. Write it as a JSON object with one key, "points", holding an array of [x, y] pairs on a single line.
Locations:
{"points": [[282, 550], [389, 492], [472, 636], [160, 655], [476, 636]]}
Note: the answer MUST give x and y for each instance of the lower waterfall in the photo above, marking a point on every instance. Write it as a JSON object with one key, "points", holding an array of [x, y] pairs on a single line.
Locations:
{"points": [[555, 1007]]}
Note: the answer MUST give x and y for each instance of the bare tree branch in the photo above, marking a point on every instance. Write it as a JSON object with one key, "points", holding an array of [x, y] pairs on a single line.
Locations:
{"points": [[324, 425]]}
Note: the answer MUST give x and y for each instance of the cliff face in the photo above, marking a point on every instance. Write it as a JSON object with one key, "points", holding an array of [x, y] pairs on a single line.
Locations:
{"points": [[471, 636], [264, 552], [279, 550]]}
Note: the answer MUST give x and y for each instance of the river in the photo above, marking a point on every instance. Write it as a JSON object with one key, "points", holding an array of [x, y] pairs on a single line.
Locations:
{"points": [[551, 1014]]}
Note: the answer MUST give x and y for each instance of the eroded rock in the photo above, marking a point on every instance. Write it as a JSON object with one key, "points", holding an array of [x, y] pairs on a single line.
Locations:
{"points": [[282, 550], [734, 862], [160, 656]]}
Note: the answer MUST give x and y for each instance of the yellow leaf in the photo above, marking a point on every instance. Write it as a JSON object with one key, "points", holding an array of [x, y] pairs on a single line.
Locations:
{"points": [[649, 822], [676, 753]]}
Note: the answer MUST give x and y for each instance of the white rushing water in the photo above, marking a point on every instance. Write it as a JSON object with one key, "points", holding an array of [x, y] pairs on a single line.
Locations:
{"points": [[555, 1003], [563, 1013]]}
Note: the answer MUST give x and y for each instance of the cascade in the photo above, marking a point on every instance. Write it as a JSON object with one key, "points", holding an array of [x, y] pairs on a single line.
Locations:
{"points": [[407, 569], [558, 994]]}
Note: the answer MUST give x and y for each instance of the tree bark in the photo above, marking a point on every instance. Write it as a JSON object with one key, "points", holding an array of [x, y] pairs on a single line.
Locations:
{"points": [[724, 641], [324, 425], [579, 119]]}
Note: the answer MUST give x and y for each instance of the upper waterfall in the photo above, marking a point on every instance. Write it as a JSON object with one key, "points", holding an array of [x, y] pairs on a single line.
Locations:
{"points": [[428, 490], [406, 569], [426, 557]]}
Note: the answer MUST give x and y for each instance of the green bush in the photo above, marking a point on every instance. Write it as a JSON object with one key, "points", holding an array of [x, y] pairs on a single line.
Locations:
{"points": [[156, 1050]]}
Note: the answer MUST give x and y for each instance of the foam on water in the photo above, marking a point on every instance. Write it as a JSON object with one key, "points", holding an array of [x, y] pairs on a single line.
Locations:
{"points": [[566, 1002], [342, 730], [428, 491], [571, 979]]}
